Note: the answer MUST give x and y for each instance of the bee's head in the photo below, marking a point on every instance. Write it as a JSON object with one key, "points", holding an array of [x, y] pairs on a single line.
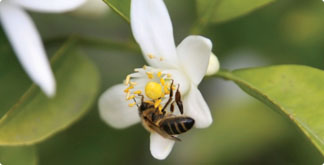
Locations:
{"points": [[144, 106]]}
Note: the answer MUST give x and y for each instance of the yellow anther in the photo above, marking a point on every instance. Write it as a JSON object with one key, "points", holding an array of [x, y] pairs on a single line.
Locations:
{"points": [[169, 75], [130, 97], [150, 75], [131, 104], [144, 67], [162, 81], [137, 92], [159, 74], [151, 56], [133, 83], [161, 58], [127, 89], [153, 90], [127, 79]]}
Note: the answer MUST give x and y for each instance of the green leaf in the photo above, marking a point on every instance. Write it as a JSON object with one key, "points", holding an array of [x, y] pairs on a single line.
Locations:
{"points": [[216, 11], [26, 155], [295, 91], [35, 117], [121, 7]]}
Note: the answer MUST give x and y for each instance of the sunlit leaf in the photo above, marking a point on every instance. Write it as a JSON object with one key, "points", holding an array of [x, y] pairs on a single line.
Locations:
{"points": [[26, 155], [295, 91], [121, 7], [224, 10], [35, 116]]}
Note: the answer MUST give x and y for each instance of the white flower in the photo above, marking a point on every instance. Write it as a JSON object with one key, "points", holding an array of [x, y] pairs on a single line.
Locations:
{"points": [[25, 39], [92, 8], [186, 65]]}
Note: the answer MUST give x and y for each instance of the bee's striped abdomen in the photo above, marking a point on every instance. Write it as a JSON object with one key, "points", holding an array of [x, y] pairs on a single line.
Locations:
{"points": [[177, 125]]}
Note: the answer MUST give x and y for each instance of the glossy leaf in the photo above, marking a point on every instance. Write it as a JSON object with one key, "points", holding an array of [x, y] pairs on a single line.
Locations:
{"points": [[295, 91], [223, 10], [121, 7], [35, 117], [26, 155]]}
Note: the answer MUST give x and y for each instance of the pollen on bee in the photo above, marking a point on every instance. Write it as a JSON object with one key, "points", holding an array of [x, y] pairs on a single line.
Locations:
{"points": [[131, 104], [150, 75], [160, 107]]}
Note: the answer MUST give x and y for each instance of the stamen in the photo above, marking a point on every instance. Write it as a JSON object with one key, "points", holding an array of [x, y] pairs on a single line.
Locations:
{"points": [[130, 97], [127, 89], [144, 67], [127, 79], [160, 108], [150, 75], [127, 95], [150, 102], [133, 83], [161, 58], [159, 74], [169, 75], [131, 104], [137, 92]]}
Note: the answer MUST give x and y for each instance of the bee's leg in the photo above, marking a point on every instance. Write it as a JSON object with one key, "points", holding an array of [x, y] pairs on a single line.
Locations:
{"points": [[178, 100], [172, 107], [170, 98]]}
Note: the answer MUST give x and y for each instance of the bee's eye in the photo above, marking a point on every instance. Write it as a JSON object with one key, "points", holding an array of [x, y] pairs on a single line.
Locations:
{"points": [[144, 106]]}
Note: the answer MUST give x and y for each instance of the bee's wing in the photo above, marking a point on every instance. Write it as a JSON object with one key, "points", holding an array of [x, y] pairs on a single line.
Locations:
{"points": [[160, 131]]}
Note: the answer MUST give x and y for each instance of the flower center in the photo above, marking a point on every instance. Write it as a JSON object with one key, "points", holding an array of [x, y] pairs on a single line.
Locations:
{"points": [[149, 82], [153, 90]]}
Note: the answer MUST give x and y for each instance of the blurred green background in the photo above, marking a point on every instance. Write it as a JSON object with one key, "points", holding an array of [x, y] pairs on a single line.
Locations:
{"points": [[244, 131]]}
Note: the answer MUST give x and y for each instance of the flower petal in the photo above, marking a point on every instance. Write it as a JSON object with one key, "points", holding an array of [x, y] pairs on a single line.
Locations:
{"points": [[27, 45], [152, 29], [53, 6], [114, 109], [194, 53], [160, 147], [196, 107], [179, 78]]}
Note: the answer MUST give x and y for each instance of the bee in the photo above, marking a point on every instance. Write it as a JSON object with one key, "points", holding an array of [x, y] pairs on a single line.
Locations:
{"points": [[165, 124]]}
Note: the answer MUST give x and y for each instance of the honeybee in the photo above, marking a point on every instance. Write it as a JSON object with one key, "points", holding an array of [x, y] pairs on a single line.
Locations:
{"points": [[165, 124]]}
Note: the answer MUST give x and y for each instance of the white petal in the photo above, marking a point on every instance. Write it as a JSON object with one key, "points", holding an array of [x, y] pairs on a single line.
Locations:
{"points": [[194, 53], [152, 29], [179, 78], [114, 109], [213, 65], [92, 8], [27, 45], [196, 107], [160, 147], [55, 6]]}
